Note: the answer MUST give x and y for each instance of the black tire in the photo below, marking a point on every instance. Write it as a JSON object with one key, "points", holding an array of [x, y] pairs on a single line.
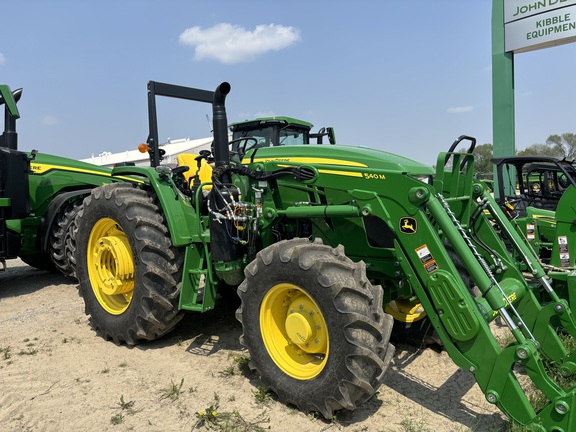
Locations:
{"points": [[40, 261], [126, 217], [62, 248], [357, 330]]}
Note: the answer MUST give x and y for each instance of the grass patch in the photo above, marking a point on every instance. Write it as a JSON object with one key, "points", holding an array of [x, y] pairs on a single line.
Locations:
{"points": [[117, 419], [227, 421], [229, 371], [29, 352], [261, 395], [173, 391], [126, 406], [411, 425], [5, 352]]}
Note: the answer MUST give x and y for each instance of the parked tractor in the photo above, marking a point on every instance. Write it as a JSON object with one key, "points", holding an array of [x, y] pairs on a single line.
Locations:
{"points": [[274, 131], [535, 185], [317, 240], [40, 196]]}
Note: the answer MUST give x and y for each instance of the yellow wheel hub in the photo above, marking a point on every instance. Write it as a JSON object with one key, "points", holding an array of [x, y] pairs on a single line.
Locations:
{"points": [[110, 266], [294, 331]]}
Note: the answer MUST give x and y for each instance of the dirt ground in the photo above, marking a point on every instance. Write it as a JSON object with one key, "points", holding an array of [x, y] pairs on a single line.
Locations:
{"points": [[57, 375]]}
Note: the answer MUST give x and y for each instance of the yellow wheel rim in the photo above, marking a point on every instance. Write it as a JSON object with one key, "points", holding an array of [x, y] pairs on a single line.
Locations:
{"points": [[110, 266], [405, 310], [294, 331]]}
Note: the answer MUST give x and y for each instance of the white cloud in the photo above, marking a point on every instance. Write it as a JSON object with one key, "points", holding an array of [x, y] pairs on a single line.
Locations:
{"points": [[462, 109], [2, 59], [261, 114], [50, 120], [229, 43]]}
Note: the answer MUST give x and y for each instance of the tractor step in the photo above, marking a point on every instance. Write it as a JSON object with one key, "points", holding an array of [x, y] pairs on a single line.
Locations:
{"points": [[198, 291]]}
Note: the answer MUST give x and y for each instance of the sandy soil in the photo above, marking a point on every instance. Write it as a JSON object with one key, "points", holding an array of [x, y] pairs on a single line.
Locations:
{"points": [[57, 375]]}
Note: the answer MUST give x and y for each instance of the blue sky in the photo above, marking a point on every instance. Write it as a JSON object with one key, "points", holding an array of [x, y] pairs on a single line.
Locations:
{"points": [[403, 76]]}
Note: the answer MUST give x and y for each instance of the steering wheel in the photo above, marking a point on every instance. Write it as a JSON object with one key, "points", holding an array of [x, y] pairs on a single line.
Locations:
{"points": [[249, 143]]}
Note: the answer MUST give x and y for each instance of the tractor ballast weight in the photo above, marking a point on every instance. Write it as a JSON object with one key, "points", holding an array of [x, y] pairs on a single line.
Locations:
{"points": [[39, 197], [323, 239]]}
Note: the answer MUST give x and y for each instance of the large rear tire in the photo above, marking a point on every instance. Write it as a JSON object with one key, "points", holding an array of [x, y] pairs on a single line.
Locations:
{"points": [[61, 245], [129, 272], [314, 326]]}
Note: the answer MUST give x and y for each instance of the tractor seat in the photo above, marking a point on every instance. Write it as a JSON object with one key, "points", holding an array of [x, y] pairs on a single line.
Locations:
{"points": [[202, 171]]}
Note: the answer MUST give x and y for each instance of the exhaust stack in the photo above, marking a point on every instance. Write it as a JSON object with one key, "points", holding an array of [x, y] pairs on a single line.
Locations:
{"points": [[9, 138], [220, 125]]}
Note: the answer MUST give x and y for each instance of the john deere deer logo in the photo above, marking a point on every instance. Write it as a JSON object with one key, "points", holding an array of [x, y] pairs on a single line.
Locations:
{"points": [[408, 225]]}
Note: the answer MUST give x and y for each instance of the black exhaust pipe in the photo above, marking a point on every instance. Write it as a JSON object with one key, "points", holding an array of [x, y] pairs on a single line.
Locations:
{"points": [[220, 125], [10, 136]]}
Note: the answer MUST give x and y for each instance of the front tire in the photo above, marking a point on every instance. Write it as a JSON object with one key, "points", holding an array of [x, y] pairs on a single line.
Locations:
{"points": [[314, 326], [129, 272]]}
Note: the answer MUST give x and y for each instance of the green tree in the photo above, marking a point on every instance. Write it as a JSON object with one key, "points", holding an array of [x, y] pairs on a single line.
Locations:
{"points": [[556, 145], [541, 150], [482, 155], [565, 142]]}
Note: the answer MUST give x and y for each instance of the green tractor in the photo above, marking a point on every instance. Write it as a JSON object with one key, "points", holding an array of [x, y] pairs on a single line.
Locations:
{"points": [[274, 131], [317, 241], [537, 183], [40, 196]]}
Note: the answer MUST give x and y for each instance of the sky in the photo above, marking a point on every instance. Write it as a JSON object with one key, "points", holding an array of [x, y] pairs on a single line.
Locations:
{"points": [[407, 77]]}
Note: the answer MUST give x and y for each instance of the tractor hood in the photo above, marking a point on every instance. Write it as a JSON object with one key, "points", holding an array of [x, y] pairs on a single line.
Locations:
{"points": [[42, 163], [346, 157]]}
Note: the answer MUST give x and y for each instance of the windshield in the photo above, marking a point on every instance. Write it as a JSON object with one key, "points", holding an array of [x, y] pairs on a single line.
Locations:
{"points": [[271, 135], [262, 136], [293, 136]]}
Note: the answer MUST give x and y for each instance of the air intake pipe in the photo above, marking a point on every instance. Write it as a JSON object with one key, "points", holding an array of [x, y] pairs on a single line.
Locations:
{"points": [[220, 125]]}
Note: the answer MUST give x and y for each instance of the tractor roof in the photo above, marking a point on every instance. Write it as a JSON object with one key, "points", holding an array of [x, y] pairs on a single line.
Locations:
{"points": [[267, 121]]}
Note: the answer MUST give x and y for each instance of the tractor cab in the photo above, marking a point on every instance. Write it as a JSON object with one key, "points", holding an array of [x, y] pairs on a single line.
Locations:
{"points": [[274, 131], [538, 181]]}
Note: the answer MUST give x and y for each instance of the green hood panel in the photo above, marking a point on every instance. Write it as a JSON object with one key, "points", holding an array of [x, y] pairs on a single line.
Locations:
{"points": [[340, 156]]}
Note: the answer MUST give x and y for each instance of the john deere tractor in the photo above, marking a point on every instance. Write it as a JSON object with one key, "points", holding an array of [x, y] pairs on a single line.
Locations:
{"points": [[536, 183], [39, 197], [319, 241], [274, 131]]}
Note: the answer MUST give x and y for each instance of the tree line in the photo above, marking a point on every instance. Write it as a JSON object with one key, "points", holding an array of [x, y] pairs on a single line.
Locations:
{"points": [[562, 146]]}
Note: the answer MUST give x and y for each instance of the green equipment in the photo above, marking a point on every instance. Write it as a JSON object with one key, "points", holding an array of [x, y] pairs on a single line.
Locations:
{"points": [[536, 183], [274, 131], [319, 241], [39, 197]]}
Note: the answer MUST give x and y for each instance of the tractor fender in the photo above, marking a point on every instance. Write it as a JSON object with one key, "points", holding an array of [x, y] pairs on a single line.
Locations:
{"points": [[182, 218], [55, 206]]}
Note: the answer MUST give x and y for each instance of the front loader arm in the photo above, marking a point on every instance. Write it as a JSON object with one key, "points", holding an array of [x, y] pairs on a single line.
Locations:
{"points": [[462, 320]]}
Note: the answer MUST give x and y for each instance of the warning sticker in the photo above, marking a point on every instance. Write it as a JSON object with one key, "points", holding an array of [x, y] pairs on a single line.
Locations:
{"points": [[563, 251], [426, 258], [562, 244], [530, 232]]}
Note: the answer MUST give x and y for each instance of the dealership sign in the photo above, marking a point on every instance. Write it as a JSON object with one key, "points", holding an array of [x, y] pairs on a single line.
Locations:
{"points": [[532, 25]]}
